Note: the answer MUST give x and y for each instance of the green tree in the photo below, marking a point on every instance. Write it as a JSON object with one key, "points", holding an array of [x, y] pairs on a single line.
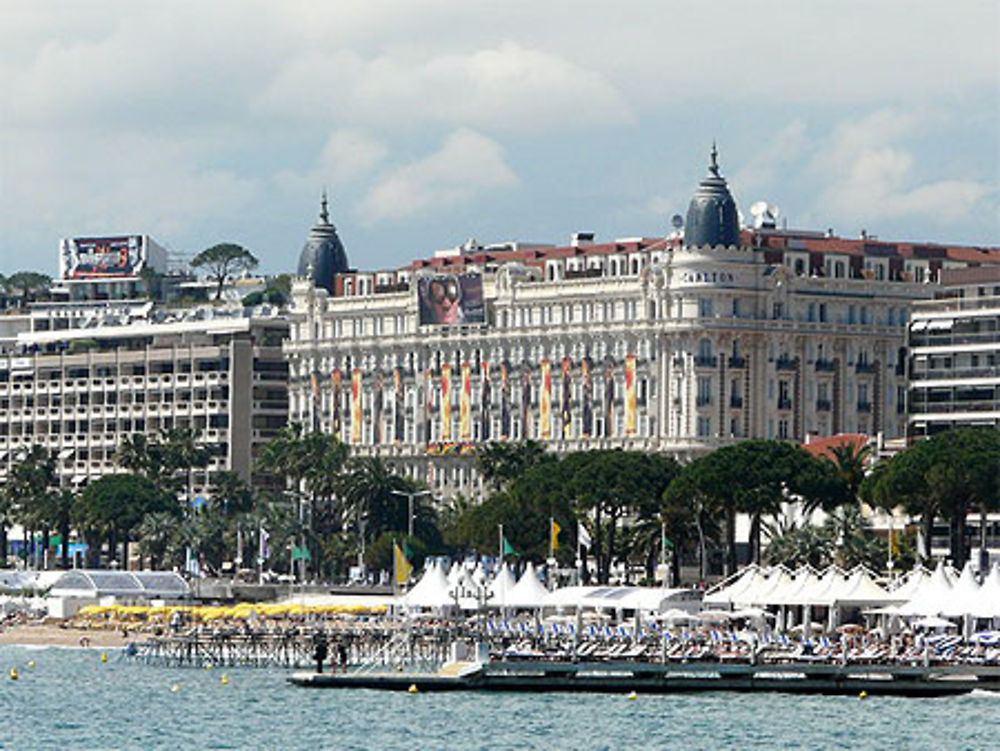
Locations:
{"points": [[224, 260], [113, 506], [30, 487], [372, 495], [27, 283], [156, 533], [503, 462], [949, 474]]}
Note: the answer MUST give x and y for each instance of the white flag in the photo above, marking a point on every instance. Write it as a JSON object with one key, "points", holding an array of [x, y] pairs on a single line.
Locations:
{"points": [[582, 536]]}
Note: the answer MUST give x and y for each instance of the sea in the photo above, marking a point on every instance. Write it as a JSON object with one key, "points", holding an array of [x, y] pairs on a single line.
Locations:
{"points": [[70, 699]]}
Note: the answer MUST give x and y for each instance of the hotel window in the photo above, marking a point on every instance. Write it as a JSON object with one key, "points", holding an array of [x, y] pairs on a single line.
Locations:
{"points": [[705, 307], [704, 427]]}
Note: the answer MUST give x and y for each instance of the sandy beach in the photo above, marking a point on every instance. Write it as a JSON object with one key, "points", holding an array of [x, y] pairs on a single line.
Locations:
{"points": [[55, 636]]}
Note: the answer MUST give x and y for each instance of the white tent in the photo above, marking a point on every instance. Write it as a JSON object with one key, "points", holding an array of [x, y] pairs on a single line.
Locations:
{"points": [[729, 593], [861, 590], [931, 597], [965, 595], [989, 595], [529, 592], [797, 591], [501, 586], [907, 587], [432, 591], [761, 589]]}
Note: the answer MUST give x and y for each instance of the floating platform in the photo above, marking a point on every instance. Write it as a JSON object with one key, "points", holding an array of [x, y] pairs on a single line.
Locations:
{"points": [[652, 678]]}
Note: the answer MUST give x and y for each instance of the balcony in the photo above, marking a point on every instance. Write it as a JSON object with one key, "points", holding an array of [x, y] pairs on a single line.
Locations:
{"points": [[737, 362], [703, 400], [784, 404], [864, 368], [786, 363], [706, 362], [823, 405], [864, 406], [825, 366], [736, 402]]}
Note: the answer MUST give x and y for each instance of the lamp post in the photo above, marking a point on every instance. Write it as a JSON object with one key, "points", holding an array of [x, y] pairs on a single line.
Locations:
{"points": [[409, 506]]}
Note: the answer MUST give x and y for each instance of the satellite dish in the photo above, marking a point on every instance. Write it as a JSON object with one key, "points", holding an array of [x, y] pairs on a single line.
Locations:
{"points": [[758, 208], [677, 221]]}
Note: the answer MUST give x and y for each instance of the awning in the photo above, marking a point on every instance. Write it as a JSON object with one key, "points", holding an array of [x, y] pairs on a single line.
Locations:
{"points": [[918, 325], [77, 479], [940, 325], [66, 453]]}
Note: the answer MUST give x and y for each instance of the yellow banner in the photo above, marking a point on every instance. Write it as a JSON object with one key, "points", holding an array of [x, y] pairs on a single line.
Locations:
{"points": [[356, 406], [545, 402], [337, 420], [556, 529], [404, 569], [631, 396], [465, 405], [446, 402]]}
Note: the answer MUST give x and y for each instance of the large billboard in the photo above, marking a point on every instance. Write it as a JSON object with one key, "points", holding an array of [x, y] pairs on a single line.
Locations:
{"points": [[101, 257], [451, 299]]}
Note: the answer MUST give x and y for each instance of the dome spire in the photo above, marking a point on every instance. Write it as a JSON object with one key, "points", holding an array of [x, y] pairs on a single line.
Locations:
{"points": [[324, 214], [712, 219], [714, 166]]}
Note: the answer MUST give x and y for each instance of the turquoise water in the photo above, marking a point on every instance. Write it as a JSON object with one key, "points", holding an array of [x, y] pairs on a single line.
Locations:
{"points": [[70, 700]]}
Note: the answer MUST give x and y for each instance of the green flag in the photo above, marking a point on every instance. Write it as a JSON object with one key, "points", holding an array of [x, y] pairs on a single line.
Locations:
{"points": [[301, 554], [667, 543], [508, 549]]}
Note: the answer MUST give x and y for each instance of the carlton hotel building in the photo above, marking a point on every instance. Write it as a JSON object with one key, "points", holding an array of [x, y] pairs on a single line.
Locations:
{"points": [[678, 345]]}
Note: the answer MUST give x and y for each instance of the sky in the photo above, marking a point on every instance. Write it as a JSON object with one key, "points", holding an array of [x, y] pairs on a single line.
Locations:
{"points": [[434, 121]]}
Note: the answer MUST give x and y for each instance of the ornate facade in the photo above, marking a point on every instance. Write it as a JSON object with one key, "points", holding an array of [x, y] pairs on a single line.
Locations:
{"points": [[652, 344]]}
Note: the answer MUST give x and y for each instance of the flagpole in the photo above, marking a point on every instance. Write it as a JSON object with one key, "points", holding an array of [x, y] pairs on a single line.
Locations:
{"points": [[552, 552], [501, 542]]}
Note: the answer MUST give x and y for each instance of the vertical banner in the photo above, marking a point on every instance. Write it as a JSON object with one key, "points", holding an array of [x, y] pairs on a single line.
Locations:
{"points": [[399, 406], [485, 418], [587, 398], [428, 405], [631, 397], [609, 396], [446, 402], [567, 390], [317, 401], [356, 410], [377, 436], [525, 401], [504, 400], [465, 405], [338, 418], [545, 402]]}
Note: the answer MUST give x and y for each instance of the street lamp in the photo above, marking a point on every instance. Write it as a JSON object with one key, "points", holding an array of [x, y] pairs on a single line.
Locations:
{"points": [[409, 498]]}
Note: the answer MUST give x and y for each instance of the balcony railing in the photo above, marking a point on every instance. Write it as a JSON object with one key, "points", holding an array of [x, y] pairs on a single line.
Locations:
{"points": [[864, 406], [823, 405], [737, 362], [864, 367], [703, 401], [736, 402], [786, 363], [784, 403], [706, 362], [825, 366]]}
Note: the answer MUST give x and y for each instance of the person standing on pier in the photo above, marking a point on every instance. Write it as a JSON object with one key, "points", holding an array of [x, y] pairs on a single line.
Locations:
{"points": [[320, 652]]}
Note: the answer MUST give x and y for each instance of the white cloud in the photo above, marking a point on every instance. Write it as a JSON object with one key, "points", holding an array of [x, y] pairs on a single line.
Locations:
{"points": [[349, 155], [467, 164], [869, 174], [508, 87], [762, 167]]}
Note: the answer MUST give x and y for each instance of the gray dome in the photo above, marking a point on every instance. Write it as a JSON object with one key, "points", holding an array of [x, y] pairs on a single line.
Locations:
{"points": [[323, 255], [712, 219]]}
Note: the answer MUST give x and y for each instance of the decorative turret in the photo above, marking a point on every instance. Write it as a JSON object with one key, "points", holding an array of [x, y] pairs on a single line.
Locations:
{"points": [[323, 255], [712, 218]]}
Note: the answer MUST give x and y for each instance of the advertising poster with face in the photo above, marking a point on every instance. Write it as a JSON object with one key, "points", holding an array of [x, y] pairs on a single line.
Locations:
{"points": [[451, 299]]}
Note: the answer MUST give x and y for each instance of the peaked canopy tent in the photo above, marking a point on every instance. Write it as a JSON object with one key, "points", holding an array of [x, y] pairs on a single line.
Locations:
{"points": [[931, 597], [432, 591], [529, 592], [729, 593]]}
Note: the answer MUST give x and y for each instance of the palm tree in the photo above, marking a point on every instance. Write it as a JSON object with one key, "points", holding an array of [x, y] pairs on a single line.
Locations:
{"points": [[155, 532], [849, 459], [373, 495]]}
